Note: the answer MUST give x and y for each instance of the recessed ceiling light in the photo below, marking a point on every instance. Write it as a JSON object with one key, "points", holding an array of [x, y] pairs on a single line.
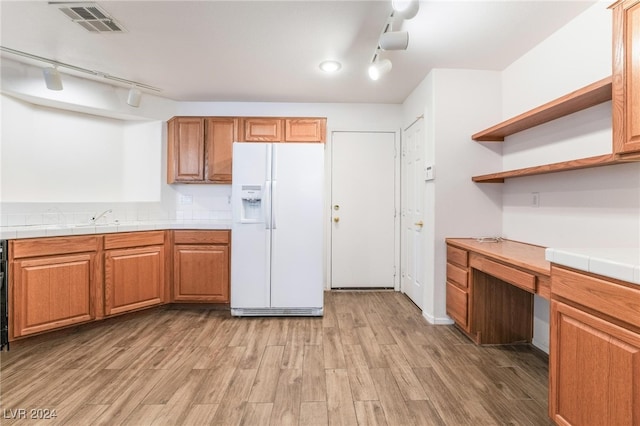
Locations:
{"points": [[330, 66]]}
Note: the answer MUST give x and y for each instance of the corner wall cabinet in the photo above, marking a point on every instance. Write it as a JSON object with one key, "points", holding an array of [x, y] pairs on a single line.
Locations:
{"points": [[623, 88], [626, 78], [134, 267], [201, 266], [594, 364], [53, 283]]}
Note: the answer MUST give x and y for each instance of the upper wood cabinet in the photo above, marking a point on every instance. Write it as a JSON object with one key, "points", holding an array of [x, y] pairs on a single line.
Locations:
{"points": [[256, 129], [274, 129], [186, 149], [200, 149], [626, 78], [220, 134]]}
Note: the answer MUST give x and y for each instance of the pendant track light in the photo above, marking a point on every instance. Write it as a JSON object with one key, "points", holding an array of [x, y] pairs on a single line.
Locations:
{"points": [[394, 40], [405, 9], [134, 97], [52, 78], [379, 68]]}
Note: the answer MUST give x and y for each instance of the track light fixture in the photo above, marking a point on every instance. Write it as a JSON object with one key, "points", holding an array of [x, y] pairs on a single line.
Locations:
{"points": [[379, 67], [405, 9], [54, 81], [134, 97], [52, 78], [394, 40]]}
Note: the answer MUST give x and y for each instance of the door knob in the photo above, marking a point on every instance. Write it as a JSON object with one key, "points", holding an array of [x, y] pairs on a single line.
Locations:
{"points": [[336, 219], [419, 223]]}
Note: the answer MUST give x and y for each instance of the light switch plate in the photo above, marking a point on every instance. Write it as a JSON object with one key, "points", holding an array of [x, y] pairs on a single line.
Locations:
{"points": [[186, 200], [429, 172]]}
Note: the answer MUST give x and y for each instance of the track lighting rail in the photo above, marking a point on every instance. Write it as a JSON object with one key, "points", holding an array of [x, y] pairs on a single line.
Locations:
{"points": [[80, 69]]}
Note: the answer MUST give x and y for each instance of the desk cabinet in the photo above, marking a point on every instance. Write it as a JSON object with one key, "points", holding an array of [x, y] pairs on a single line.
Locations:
{"points": [[490, 288], [594, 370], [458, 286]]}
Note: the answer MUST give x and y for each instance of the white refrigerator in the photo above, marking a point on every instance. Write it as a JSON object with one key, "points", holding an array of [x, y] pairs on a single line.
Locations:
{"points": [[277, 229]]}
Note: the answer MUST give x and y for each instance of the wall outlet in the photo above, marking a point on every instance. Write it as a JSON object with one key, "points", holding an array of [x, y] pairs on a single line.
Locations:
{"points": [[535, 199], [186, 200]]}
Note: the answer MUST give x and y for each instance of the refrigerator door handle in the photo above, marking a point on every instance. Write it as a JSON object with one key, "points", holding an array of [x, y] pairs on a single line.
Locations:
{"points": [[266, 204], [274, 201]]}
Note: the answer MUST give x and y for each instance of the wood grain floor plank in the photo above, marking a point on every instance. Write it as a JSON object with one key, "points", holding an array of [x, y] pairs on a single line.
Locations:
{"points": [[199, 414], [313, 375], [393, 404], [341, 410], [370, 413], [286, 406], [265, 384], [231, 409], [257, 413], [313, 413], [372, 359]]}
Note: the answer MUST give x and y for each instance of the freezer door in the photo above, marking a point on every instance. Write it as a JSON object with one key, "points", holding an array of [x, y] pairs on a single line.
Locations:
{"points": [[297, 234], [250, 233]]}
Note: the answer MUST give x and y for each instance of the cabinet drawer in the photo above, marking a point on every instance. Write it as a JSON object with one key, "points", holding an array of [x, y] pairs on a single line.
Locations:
{"points": [[607, 297], [518, 278], [457, 275], [34, 247], [133, 239], [457, 304], [201, 237], [458, 256]]}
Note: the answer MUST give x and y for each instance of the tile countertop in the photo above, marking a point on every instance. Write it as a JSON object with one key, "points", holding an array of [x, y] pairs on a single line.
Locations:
{"points": [[35, 231], [618, 263]]}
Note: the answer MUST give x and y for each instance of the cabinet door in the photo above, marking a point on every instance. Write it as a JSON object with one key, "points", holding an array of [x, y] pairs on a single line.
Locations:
{"points": [[201, 273], [594, 370], [221, 132], [186, 149], [133, 278], [305, 130], [626, 77], [262, 129], [52, 292]]}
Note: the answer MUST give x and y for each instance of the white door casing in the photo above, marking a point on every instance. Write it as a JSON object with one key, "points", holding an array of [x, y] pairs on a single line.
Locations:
{"points": [[363, 210], [412, 219]]}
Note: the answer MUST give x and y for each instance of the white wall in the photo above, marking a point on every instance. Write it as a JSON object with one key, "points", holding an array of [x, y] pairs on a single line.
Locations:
{"points": [[455, 104], [586, 208]]}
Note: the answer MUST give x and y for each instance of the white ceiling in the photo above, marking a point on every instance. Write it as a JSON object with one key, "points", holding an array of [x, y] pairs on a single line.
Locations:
{"points": [[269, 51]]}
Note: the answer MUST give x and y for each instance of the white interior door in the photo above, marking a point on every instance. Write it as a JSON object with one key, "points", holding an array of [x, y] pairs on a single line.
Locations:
{"points": [[363, 206], [412, 220]]}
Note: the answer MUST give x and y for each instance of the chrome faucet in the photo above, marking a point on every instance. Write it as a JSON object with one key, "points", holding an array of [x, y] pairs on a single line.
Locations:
{"points": [[95, 218]]}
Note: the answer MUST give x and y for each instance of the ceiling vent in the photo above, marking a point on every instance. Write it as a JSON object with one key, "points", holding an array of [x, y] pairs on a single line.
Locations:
{"points": [[90, 16]]}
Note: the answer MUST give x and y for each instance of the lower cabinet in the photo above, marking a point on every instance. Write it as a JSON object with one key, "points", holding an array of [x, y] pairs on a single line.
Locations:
{"points": [[458, 286], [53, 283], [594, 364], [201, 266], [134, 266]]}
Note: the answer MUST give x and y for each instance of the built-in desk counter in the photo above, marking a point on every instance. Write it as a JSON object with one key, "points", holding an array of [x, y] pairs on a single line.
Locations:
{"points": [[490, 287]]}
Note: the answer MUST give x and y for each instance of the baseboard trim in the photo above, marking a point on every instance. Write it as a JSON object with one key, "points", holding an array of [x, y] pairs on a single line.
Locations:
{"points": [[437, 321], [540, 345]]}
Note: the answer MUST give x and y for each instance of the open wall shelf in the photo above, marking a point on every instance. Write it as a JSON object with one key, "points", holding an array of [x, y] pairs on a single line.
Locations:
{"points": [[582, 163], [586, 97]]}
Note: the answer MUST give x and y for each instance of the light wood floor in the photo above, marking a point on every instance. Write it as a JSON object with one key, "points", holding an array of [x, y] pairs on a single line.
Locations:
{"points": [[372, 359]]}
